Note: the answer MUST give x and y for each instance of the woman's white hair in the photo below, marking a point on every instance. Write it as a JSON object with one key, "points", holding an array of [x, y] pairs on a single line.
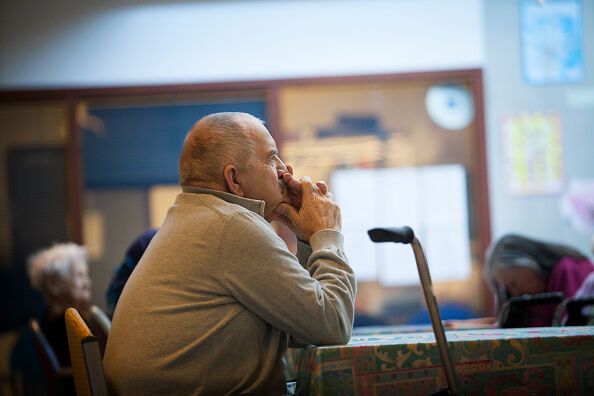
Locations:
{"points": [[53, 261], [512, 251]]}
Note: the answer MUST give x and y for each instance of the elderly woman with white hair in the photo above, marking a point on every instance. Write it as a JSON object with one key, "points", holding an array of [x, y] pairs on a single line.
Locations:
{"points": [[61, 274], [517, 265]]}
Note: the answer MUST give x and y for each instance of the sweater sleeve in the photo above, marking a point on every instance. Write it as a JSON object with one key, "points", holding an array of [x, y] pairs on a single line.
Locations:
{"points": [[313, 304], [303, 253]]}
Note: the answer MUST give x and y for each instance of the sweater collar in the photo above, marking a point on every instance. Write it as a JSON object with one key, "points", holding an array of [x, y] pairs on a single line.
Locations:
{"points": [[254, 205]]}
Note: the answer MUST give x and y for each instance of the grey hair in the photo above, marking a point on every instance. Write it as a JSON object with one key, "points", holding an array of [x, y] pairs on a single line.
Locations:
{"points": [[512, 251], [215, 141], [53, 261]]}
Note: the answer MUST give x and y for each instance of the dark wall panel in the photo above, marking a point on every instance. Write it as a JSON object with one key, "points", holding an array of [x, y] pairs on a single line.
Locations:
{"points": [[140, 146], [38, 211]]}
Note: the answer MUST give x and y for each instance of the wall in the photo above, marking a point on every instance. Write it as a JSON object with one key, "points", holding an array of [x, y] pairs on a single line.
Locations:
{"points": [[97, 43], [537, 216], [113, 235], [66, 43]]}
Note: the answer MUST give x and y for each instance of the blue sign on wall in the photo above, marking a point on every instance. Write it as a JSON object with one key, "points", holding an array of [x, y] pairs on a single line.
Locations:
{"points": [[552, 43], [140, 146]]}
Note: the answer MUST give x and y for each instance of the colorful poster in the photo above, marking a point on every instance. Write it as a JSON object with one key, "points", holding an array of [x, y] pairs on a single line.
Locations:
{"points": [[533, 153], [551, 35]]}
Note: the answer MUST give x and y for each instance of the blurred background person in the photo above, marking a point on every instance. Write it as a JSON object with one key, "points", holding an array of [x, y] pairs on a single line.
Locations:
{"points": [[61, 274], [517, 265], [123, 272]]}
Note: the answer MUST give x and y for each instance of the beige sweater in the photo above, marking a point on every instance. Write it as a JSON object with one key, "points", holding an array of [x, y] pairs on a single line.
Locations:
{"points": [[208, 309]]}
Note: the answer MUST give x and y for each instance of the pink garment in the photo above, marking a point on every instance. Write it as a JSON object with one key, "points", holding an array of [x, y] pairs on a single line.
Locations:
{"points": [[567, 277], [587, 288]]}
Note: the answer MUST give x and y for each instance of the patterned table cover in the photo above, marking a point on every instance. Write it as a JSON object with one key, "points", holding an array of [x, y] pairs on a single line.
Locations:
{"points": [[539, 361]]}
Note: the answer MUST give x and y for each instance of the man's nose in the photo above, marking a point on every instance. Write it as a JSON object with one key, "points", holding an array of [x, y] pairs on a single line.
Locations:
{"points": [[282, 169]]}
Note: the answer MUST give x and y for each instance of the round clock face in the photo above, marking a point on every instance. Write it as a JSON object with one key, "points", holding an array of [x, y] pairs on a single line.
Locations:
{"points": [[450, 106]]}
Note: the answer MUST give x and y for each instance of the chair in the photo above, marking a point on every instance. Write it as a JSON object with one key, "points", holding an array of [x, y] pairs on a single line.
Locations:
{"points": [[513, 312], [58, 379], [87, 365], [101, 318], [573, 312]]}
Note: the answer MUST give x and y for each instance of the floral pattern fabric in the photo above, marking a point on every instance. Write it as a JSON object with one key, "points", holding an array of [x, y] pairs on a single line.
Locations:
{"points": [[528, 361]]}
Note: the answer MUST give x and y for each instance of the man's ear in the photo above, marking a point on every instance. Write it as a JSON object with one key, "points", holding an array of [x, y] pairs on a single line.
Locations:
{"points": [[231, 179]]}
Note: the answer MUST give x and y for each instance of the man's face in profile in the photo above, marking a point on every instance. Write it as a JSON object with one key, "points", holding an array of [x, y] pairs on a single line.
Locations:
{"points": [[263, 179]]}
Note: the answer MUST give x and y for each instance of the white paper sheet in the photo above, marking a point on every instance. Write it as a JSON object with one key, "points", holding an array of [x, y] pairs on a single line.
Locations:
{"points": [[351, 189], [431, 200]]}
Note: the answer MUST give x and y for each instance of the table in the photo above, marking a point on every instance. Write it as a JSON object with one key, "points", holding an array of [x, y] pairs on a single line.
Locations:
{"points": [[552, 360]]}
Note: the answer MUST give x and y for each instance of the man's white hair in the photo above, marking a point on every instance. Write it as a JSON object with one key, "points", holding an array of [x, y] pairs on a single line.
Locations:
{"points": [[55, 260], [214, 142]]}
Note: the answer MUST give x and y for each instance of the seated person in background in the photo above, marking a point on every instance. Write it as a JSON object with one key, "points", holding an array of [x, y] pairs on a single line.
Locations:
{"points": [[517, 265], [132, 257], [211, 305], [61, 274]]}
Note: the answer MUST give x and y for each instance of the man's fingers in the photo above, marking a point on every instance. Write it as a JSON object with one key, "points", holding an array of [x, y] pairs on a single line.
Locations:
{"points": [[287, 211], [293, 184], [307, 187], [322, 186]]}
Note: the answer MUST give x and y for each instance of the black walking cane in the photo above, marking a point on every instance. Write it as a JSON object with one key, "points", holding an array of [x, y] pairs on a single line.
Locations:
{"points": [[407, 236]]}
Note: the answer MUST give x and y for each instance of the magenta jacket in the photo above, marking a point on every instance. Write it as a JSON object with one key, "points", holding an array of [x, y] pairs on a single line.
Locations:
{"points": [[567, 277]]}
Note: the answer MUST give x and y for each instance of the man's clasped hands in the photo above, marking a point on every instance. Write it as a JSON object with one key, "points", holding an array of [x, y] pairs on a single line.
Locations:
{"points": [[309, 206]]}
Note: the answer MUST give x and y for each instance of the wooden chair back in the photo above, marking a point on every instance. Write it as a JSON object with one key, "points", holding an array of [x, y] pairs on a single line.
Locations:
{"points": [[87, 365]]}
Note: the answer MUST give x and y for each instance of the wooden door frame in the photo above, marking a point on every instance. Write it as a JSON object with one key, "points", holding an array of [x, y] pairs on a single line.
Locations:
{"points": [[271, 88]]}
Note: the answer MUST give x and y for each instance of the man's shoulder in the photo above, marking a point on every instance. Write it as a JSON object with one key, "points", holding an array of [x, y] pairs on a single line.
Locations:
{"points": [[229, 211], [211, 201], [232, 213], [240, 219]]}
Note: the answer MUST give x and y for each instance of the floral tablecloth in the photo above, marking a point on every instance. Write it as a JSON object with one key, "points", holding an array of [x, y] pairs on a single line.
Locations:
{"points": [[540, 361]]}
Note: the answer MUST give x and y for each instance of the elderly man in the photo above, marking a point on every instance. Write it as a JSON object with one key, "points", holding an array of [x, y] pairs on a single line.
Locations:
{"points": [[211, 305]]}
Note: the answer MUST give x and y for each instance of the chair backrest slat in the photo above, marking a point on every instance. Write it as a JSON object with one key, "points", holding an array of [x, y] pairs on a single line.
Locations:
{"points": [[78, 332], [93, 361], [58, 379], [44, 349], [101, 318]]}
